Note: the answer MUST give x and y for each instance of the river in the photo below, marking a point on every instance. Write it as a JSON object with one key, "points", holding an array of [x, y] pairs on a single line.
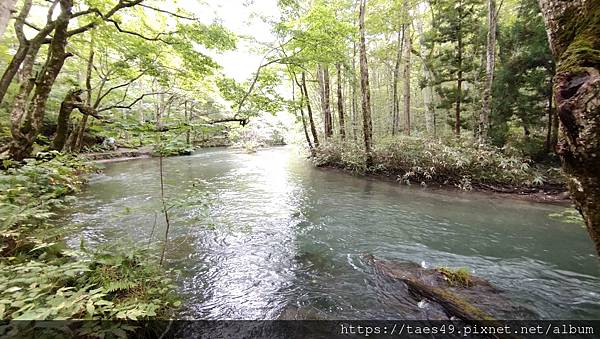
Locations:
{"points": [[257, 235]]}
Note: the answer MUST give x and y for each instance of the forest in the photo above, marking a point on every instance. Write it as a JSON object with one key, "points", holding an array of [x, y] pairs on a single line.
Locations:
{"points": [[239, 160]]}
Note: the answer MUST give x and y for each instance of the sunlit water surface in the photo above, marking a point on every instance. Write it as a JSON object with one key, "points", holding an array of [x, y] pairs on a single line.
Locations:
{"points": [[258, 235]]}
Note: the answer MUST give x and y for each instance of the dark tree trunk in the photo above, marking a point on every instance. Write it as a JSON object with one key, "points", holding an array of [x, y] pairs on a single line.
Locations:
{"points": [[395, 99], [313, 128], [301, 108], [364, 87], [340, 103], [22, 144], [64, 117], [574, 34], [550, 141]]}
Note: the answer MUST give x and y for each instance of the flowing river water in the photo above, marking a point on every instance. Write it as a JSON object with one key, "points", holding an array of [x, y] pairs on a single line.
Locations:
{"points": [[257, 235]]}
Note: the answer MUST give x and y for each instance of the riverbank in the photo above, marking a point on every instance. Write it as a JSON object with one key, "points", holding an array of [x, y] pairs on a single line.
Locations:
{"points": [[41, 278], [455, 167]]}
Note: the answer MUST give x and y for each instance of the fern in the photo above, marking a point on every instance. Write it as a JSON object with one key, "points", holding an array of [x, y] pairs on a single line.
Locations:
{"points": [[123, 285]]}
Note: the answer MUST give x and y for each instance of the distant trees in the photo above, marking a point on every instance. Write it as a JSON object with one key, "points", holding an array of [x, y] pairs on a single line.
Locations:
{"points": [[123, 54]]}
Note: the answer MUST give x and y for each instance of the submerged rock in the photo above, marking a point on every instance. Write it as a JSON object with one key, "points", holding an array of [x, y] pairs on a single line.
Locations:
{"points": [[449, 294]]}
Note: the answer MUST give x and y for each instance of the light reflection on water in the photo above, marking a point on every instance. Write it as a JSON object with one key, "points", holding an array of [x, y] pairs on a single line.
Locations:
{"points": [[272, 235]]}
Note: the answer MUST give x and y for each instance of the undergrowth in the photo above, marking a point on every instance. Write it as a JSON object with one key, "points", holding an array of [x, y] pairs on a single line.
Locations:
{"points": [[461, 163], [42, 279]]}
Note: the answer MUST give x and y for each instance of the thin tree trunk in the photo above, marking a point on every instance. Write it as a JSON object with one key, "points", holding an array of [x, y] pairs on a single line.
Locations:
{"points": [[573, 29], [88, 86], [313, 128], [484, 116], [395, 99], [6, 8], [366, 92], [427, 91], [303, 118], [550, 142], [406, 75], [354, 103], [340, 102], [187, 121], [459, 81]]}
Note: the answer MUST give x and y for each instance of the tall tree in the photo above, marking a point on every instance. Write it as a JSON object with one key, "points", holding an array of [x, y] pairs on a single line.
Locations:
{"points": [[397, 64], [313, 128], [406, 76], [489, 72], [455, 28], [364, 86], [427, 89], [26, 121], [325, 93], [574, 34], [340, 102]]}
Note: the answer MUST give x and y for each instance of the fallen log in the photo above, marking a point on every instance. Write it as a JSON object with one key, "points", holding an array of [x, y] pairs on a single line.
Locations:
{"points": [[467, 298]]}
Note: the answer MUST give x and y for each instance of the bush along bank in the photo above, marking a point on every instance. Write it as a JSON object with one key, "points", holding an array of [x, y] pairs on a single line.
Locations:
{"points": [[42, 279], [461, 163]]}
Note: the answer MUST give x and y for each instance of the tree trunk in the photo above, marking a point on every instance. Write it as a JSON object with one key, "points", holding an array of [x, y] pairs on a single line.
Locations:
{"points": [[340, 102], [6, 8], [25, 48], [64, 116], [313, 128], [574, 34], [325, 92], [78, 139], [552, 119], [427, 91], [304, 124], [395, 99], [354, 103], [22, 144], [364, 87], [406, 75], [459, 81], [484, 116]]}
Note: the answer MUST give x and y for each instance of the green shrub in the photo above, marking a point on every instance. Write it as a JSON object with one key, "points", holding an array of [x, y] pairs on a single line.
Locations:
{"points": [[459, 162]]}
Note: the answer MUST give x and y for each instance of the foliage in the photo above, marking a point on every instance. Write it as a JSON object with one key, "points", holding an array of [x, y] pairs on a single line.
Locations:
{"points": [[103, 284], [41, 279], [462, 163], [456, 278]]}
